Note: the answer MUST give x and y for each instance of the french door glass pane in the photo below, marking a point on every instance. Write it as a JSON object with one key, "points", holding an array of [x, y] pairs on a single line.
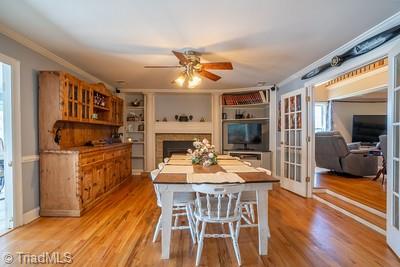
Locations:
{"points": [[396, 173], [286, 170], [298, 155], [291, 174], [397, 69], [286, 137], [298, 102], [286, 105], [396, 141], [292, 138], [397, 106], [286, 154], [286, 121], [292, 104], [298, 120], [396, 211], [298, 138], [298, 173]]}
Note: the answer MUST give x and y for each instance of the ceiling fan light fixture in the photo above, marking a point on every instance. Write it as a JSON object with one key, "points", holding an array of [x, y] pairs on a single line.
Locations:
{"points": [[194, 81], [180, 80]]}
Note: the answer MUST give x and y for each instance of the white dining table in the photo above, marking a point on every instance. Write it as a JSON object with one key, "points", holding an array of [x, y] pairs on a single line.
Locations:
{"points": [[169, 183]]}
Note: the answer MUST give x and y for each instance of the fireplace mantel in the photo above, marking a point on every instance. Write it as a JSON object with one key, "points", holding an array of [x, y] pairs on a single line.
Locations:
{"points": [[183, 127]]}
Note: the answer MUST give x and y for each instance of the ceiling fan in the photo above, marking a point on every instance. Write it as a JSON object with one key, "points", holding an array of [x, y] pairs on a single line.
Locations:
{"points": [[193, 68]]}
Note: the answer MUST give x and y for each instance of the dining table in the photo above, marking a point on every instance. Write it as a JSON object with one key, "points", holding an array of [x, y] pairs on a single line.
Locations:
{"points": [[177, 176]]}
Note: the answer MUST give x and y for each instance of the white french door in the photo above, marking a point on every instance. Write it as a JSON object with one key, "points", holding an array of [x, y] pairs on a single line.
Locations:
{"points": [[393, 160], [293, 142]]}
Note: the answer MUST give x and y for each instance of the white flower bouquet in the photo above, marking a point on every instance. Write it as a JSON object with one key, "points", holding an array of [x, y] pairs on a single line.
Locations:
{"points": [[204, 153]]}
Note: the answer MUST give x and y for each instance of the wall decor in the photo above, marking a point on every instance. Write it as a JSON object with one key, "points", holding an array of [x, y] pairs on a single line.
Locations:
{"points": [[358, 50]]}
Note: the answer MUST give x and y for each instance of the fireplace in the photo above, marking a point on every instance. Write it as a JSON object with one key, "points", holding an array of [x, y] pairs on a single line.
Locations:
{"points": [[175, 143], [176, 147]]}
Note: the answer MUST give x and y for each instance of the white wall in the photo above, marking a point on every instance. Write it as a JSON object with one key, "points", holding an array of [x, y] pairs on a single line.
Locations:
{"points": [[343, 115], [169, 105]]}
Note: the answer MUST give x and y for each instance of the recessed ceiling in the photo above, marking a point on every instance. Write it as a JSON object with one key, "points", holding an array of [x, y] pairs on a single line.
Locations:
{"points": [[265, 40]]}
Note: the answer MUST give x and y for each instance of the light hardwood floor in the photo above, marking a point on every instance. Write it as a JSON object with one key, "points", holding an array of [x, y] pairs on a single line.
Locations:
{"points": [[119, 230], [363, 190]]}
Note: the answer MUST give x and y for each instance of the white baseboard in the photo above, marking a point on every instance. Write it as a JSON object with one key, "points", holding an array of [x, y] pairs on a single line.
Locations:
{"points": [[30, 215]]}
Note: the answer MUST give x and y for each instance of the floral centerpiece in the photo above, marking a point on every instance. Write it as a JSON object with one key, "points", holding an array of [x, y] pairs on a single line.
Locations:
{"points": [[204, 153]]}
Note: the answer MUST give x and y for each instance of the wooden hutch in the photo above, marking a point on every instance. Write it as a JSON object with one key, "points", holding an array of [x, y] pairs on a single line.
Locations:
{"points": [[74, 176]]}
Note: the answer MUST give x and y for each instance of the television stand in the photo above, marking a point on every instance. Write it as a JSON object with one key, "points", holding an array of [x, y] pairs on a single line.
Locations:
{"points": [[256, 158]]}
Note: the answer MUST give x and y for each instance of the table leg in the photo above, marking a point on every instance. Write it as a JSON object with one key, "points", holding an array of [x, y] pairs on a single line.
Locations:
{"points": [[262, 211], [166, 216]]}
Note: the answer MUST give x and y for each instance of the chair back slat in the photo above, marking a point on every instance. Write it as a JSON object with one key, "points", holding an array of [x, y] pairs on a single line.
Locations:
{"points": [[222, 201], [208, 205]]}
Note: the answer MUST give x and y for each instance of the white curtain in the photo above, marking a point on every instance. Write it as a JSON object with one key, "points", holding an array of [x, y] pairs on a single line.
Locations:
{"points": [[329, 120]]}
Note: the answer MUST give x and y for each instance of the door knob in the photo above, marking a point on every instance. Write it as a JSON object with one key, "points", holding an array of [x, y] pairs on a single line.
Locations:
{"points": [[9, 164]]}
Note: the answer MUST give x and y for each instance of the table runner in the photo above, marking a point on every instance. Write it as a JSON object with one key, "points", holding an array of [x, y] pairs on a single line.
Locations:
{"points": [[239, 168], [213, 178], [177, 169], [225, 162]]}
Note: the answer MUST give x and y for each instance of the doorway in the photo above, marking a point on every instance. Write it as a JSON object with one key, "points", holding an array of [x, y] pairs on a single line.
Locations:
{"points": [[10, 146], [349, 132]]}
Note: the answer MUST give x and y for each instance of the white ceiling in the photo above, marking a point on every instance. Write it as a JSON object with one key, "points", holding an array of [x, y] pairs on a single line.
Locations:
{"points": [[266, 40]]}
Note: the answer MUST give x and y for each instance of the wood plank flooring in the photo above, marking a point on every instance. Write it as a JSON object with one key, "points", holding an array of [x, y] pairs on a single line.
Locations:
{"points": [[363, 190], [119, 230]]}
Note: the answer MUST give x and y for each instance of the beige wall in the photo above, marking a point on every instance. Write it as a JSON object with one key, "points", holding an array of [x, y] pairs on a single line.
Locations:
{"points": [[343, 115], [377, 79]]}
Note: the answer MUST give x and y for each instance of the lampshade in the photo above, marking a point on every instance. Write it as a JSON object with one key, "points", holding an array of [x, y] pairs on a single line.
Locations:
{"points": [[180, 80], [194, 81]]}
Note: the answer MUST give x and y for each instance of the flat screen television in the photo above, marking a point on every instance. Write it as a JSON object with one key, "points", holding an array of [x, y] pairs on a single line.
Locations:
{"points": [[245, 133], [368, 128]]}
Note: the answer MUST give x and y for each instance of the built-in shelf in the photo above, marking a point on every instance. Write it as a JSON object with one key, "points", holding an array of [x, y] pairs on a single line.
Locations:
{"points": [[249, 119], [248, 106], [100, 107], [137, 142]]}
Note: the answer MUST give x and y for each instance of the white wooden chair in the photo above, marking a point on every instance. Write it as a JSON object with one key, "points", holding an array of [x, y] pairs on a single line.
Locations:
{"points": [[218, 204], [249, 200], [182, 206]]}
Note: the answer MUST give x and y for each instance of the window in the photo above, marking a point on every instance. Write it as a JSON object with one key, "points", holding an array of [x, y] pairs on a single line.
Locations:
{"points": [[320, 114]]}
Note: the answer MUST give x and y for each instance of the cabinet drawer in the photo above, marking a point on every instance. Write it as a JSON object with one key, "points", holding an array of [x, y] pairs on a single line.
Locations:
{"points": [[91, 158], [110, 154]]}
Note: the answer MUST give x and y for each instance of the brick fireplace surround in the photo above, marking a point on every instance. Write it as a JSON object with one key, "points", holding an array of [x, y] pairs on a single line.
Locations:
{"points": [[161, 137]]}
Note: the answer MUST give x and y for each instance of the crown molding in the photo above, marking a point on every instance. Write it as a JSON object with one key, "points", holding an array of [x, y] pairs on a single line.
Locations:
{"points": [[384, 25], [19, 38], [195, 91]]}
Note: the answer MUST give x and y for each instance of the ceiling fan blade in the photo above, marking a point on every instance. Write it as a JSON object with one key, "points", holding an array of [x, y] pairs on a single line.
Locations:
{"points": [[209, 75], [161, 67], [217, 66], [182, 58]]}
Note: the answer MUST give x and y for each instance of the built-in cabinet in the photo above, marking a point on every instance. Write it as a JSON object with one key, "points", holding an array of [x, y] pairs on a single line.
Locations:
{"points": [[81, 159]]}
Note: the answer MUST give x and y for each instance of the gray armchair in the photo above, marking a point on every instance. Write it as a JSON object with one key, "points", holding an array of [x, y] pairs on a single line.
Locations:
{"points": [[332, 152]]}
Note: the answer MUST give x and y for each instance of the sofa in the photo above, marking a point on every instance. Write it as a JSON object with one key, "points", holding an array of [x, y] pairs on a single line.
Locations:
{"points": [[332, 152]]}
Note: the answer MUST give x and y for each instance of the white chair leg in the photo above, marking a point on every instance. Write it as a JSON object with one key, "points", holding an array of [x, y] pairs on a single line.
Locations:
{"points": [[235, 243], [200, 245], [237, 230], [157, 230], [253, 217], [190, 222]]}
